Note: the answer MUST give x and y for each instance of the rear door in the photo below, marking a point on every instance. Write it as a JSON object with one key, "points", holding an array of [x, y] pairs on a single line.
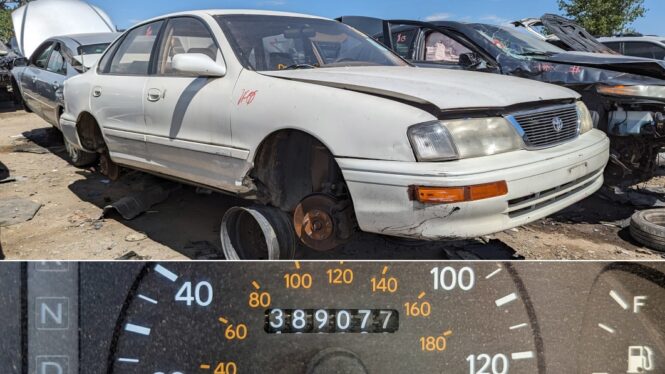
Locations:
{"points": [[187, 117], [33, 72], [118, 96]]}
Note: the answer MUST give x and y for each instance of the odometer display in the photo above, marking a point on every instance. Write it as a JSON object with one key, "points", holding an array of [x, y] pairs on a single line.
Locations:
{"points": [[331, 321]]}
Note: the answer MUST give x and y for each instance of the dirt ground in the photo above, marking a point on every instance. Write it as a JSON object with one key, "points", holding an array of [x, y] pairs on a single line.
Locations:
{"points": [[69, 223]]}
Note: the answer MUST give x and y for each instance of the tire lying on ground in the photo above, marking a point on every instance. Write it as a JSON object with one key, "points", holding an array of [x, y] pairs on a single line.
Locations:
{"points": [[78, 157], [648, 228], [257, 233]]}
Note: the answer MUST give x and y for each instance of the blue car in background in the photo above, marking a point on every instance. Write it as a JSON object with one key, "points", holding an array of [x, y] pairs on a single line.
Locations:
{"points": [[40, 79]]}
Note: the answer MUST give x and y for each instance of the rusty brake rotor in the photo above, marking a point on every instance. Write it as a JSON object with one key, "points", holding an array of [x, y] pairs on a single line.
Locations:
{"points": [[322, 222]]}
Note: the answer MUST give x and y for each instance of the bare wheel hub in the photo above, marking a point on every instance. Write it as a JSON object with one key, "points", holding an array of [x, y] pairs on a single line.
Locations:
{"points": [[318, 225], [322, 222]]}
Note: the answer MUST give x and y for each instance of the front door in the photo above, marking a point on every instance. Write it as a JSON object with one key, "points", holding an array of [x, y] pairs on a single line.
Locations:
{"points": [[32, 73], [117, 98], [187, 117]]}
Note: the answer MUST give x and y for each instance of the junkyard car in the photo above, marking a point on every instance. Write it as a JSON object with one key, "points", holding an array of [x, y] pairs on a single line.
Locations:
{"points": [[7, 58], [571, 36], [310, 116], [646, 46], [564, 33], [51, 58], [40, 80], [626, 95]]}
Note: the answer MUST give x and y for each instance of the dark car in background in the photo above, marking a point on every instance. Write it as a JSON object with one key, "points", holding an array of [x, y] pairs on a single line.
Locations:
{"points": [[40, 79], [571, 36], [7, 58], [625, 94]]}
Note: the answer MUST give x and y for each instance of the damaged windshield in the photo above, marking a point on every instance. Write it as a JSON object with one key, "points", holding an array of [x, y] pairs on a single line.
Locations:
{"points": [[515, 43], [264, 43]]}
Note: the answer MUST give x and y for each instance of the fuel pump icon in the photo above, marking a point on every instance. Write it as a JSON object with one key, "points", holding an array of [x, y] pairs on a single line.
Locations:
{"points": [[640, 359]]}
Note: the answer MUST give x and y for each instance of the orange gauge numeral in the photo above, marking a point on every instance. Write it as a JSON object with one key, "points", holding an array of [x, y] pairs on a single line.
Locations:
{"points": [[340, 276], [296, 280]]}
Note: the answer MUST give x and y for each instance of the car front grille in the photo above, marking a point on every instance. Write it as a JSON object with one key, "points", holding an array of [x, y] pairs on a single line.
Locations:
{"points": [[547, 127]]}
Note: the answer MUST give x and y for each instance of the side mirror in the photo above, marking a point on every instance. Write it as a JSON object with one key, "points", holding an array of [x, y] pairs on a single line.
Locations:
{"points": [[469, 60], [20, 61], [198, 64]]}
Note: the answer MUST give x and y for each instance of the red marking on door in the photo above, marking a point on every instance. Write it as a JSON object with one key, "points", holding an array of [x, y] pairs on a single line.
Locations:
{"points": [[247, 96]]}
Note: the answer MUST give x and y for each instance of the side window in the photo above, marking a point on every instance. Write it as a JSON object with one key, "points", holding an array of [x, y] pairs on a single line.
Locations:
{"points": [[403, 42], [56, 63], [133, 55], [441, 48], [184, 35], [105, 62], [643, 49], [41, 56]]}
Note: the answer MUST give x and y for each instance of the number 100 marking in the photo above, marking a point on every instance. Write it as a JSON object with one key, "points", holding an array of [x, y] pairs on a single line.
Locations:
{"points": [[448, 278]]}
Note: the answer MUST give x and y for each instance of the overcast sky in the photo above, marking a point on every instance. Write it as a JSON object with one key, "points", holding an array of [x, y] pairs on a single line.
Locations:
{"points": [[127, 12]]}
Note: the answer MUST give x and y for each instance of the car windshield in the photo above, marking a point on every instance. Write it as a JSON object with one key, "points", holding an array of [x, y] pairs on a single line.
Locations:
{"points": [[515, 43], [264, 43]]}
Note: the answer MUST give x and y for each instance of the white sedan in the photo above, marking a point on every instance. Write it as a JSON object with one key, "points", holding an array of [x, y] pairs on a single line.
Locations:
{"points": [[310, 117]]}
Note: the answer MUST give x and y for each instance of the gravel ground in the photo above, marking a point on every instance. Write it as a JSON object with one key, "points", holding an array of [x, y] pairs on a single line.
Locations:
{"points": [[69, 224]]}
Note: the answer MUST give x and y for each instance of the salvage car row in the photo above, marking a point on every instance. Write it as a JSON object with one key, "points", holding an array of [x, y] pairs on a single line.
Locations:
{"points": [[329, 131]]}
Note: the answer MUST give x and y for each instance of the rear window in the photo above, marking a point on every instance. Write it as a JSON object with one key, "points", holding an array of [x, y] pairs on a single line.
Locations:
{"points": [[92, 49]]}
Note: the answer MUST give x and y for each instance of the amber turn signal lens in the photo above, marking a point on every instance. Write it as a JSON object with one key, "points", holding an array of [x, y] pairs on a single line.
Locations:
{"points": [[446, 195]]}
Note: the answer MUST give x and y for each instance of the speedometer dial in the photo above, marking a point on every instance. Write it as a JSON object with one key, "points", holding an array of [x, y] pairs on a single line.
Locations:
{"points": [[326, 317]]}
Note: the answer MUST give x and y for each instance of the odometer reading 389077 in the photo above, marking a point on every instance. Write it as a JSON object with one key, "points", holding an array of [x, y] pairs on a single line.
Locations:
{"points": [[327, 317]]}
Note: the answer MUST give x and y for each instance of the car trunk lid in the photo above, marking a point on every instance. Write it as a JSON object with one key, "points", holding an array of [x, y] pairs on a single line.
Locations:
{"points": [[576, 37]]}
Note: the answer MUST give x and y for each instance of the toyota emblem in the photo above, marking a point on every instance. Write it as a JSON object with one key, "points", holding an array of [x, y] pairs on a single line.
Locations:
{"points": [[557, 124]]}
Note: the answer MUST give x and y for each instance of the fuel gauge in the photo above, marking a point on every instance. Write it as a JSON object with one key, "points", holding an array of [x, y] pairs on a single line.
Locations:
{"points": [[624, 324]]}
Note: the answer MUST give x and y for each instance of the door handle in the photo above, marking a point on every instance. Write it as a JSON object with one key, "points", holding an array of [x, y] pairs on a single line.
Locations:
{"points": [[97, 92], [56, 85], [154, 95]]}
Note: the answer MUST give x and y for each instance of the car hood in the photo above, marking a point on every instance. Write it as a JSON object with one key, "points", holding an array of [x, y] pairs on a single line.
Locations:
{"points": [[446, 89], [43, 19], [576, 37], [624, 64]]}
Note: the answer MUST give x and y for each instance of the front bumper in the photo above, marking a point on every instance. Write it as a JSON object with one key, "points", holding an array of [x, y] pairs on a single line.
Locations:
{"points": [[540, 183]]}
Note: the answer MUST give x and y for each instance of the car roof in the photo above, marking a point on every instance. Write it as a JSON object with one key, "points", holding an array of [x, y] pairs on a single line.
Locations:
{"points": [[224, 12]]}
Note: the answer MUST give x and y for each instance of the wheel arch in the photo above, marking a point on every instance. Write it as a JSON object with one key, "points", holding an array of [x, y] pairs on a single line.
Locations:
{"points": [[90, 133], [290, 164]]}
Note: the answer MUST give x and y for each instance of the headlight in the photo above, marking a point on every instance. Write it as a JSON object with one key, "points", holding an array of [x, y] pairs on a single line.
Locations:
{"points": [[464, 138], [655, 92], [584, 119]]}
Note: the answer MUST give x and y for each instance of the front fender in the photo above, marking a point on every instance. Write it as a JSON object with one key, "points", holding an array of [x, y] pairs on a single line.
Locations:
{"points": [[349, 123]]}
